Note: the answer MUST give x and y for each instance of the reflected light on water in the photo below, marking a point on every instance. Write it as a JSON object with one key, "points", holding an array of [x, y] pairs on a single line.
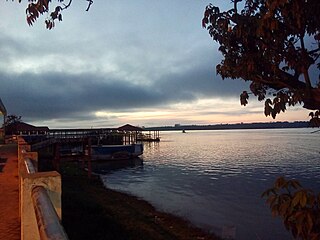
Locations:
{"points": [[215, 178]]}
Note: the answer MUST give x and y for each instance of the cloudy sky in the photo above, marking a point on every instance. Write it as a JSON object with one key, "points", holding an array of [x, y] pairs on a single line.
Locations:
{"points": [[148, 63]]}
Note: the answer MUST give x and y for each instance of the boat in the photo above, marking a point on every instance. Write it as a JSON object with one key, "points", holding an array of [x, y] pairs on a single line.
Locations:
{"points": [[116, 152], [148, 137]]}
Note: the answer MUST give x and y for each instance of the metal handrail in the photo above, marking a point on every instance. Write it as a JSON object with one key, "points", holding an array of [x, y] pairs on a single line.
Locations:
{"points": [[48, 221], [29, 166]]}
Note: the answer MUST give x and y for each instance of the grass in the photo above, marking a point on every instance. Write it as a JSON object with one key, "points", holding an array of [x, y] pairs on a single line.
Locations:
{"points": [[91, 211]]}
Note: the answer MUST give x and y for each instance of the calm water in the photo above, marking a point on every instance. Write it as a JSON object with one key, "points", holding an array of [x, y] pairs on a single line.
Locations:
{"points": [[215, 178]]}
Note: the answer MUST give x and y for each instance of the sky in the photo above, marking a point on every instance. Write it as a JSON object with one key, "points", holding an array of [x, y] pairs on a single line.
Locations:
{"points": [[147, 63]]}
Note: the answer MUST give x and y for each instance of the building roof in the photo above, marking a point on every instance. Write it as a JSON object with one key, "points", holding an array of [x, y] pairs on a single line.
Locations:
{"points": [[130, 128], [21, 126]]}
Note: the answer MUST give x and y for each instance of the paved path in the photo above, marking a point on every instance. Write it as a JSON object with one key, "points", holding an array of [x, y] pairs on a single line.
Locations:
{"points": [[9, 194]]}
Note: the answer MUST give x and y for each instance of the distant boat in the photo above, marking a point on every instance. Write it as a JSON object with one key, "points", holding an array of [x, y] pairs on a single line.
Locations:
{"points": [[116, 152], [183, 131]]}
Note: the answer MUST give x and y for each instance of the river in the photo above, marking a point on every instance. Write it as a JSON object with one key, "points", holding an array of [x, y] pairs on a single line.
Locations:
{"points": [[215, 178]]}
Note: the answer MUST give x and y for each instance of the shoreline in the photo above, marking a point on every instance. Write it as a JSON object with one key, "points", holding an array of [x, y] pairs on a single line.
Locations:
{"points": [[92, 211]]}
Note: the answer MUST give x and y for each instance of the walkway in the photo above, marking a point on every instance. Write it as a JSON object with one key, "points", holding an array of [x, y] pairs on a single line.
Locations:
{"points": [[9, 193]]}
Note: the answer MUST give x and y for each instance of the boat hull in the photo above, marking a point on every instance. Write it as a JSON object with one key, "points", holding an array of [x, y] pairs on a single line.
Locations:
{"points": [[116, 152]]}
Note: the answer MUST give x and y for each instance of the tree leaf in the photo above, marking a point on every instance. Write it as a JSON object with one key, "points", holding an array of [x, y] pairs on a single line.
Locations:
{"points": [[303, 199]]}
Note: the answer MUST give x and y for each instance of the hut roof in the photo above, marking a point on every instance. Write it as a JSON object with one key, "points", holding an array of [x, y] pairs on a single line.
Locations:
{"points": [[130, 128]]}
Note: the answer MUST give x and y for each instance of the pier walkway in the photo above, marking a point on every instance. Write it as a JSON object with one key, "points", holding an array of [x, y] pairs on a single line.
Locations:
{"points": [[9, 193]]}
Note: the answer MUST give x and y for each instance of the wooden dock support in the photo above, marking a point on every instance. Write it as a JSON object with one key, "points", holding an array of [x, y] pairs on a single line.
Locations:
{"points": [[89, 158], [56, 158]]}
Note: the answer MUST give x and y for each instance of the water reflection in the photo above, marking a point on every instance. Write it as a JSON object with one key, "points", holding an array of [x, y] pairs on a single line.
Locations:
{"points": [[215, 178], [105, 167]]}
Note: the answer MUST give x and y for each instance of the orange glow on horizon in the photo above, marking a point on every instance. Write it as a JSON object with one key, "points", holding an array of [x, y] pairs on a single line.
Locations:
{"points": [[202, 112]]}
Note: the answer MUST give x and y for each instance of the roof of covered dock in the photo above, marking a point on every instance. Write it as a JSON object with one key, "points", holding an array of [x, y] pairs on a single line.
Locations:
{"points": [[130, 128]]}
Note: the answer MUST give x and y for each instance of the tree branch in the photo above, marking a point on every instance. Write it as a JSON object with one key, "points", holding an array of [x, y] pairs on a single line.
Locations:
{"points": [[89, 5], [314, 51], [67, 5]]}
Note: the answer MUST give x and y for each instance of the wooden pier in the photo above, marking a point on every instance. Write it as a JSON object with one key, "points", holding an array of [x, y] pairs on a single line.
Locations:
{"points": [[151, 136]]}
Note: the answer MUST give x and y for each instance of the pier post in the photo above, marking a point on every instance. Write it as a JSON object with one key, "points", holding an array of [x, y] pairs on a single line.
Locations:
{"points": [[56, 158], [89, 158]]}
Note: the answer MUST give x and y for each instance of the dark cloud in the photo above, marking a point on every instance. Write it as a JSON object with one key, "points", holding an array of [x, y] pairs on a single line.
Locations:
{"points": [[62, 95], [200, 82], [54, 95]]}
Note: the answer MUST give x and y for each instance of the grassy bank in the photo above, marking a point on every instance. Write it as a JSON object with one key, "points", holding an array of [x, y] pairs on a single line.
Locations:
{"points": [[90, 211]]}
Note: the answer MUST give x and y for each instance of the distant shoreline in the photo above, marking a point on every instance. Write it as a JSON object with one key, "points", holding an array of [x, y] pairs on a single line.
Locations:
{"points": [[265, 125]]}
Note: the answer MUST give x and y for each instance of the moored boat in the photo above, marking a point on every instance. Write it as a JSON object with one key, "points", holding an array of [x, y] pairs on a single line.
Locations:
{"points": [[116, 152]]}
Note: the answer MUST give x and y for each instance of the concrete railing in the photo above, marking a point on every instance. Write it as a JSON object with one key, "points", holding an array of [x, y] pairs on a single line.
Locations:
{"points": [[40, 198]]}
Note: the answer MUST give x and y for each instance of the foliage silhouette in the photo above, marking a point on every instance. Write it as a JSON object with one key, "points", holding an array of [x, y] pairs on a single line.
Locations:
{"points": [[299, 208], [36, 8], [275, 44], [11, 119]]}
